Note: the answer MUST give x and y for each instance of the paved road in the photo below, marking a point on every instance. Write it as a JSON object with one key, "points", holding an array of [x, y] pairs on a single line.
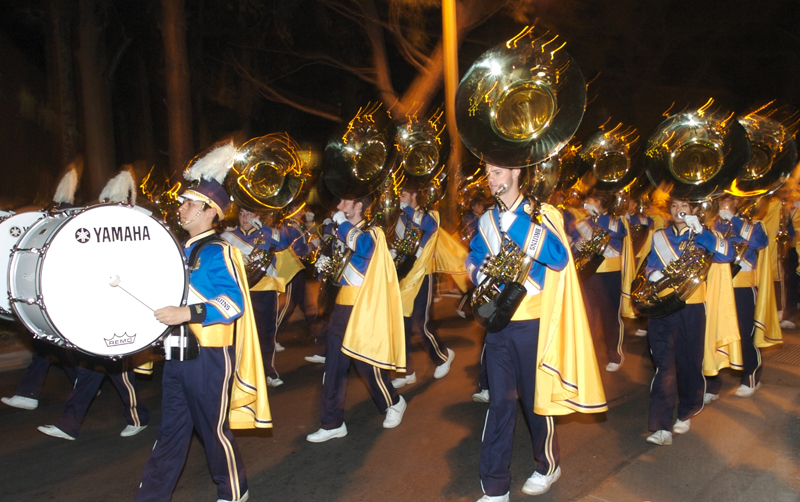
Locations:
{"points": [[738, 449]]}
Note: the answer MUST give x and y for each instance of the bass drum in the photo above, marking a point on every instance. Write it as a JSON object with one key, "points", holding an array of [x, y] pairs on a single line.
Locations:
{"points": [[12, 228], [90, 279]]}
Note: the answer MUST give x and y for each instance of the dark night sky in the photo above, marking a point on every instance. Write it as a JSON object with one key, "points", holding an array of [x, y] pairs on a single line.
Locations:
{"points": [[641, 56]]}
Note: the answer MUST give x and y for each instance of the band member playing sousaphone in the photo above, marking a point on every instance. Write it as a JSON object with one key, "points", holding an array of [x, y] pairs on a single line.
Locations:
{"points": [[697, 154], [773, 156], [527, 291], [213, 381], [365, 326]]}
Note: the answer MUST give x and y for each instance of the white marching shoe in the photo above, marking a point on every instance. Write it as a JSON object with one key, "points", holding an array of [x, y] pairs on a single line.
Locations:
{"points": [[52, 430], [681, 426], [274, 382], [481, 397], [316, 358], [131, 430], [787, 324], [708, 397], [661, 438], [394, 414], [641, 332], [539, 483], [279, 347], [745, 391], [21, 402], [443, 369], [498, 498], [403, 381], [323, 435]]}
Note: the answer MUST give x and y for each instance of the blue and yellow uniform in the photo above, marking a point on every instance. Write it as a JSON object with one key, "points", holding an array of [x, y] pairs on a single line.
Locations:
{"points": [[603, 289], [295, 270], [347, 340], [416, 288], [511, 351], [677, 340], [745, 294], [264, 295], [197, 392]]}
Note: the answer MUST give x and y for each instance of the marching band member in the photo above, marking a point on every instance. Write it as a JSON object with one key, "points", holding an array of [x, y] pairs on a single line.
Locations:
{"points": [[213, 382], [291, 268], [552, 295], [249, 235], [365, 325], [88, 378], [746, 291], [603, 289], [416, 288], [677, 340]]}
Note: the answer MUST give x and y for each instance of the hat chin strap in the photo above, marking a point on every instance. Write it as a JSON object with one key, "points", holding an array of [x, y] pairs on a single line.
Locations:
{"points": [[194, 218]]}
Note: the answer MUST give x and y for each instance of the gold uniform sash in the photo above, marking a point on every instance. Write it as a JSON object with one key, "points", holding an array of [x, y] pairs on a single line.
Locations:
{"points": [[375, 332], [567, 375], [723, 347], [768, 327], [628, 269]]}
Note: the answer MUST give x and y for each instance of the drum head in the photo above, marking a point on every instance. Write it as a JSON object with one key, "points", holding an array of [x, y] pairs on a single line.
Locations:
{"points": [[11, 231], [96, 263]]}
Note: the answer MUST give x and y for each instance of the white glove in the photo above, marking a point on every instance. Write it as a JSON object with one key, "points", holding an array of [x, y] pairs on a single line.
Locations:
{"points": [[309, 217], [480, 276], [506, 220], [314, 242], [322, 260], [656, 276], [694, 223], [403, 205], [256, 223], [326, 222], [591, 209], [393, 252], [725, 214], [339, 217]]}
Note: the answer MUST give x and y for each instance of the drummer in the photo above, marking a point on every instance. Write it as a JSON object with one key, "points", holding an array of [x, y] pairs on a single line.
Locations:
{"points": [[220, 387], [90, 372]]}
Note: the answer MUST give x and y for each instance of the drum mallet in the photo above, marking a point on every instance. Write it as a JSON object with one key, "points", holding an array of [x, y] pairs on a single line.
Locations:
{"points": [[114, 281]]}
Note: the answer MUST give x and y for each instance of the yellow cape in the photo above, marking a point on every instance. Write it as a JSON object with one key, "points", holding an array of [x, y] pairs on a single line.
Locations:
{"points": [[628, 274], [375, 332], [450, 258], [567, 376], [409, 286], [768, 327], [772, 223], [249, 406], [723, 347]]}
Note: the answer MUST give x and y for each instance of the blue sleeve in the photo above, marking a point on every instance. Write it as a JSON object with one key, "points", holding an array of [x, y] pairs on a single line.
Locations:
{"points": [[297, 240], [722, 251], [218, 279], [428, 225], [274, 237], [604, 221], [547, 247], [478, 250], [758, 237], [360, 242], [653, 261]]}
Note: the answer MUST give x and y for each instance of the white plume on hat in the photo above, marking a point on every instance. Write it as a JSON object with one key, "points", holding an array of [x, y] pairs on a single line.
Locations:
{"points": [[120, 188], [214, 165], [65, 191]]}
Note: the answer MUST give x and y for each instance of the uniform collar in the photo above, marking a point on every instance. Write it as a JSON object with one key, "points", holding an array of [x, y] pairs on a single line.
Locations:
{"points": [[198, 237], [678, 233], [248, 232]]}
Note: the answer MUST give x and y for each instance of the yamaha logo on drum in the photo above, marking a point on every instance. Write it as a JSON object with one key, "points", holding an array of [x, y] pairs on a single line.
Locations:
{"points": [[113, 234], [123, 339]]}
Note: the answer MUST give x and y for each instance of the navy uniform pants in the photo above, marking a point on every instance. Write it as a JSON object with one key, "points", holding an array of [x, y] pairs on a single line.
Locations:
{"points": [[602, 294], [295, 297], [265, 310], [337, 364], [87, 383], [751, 356], [195, 396], [676, 344], [418, 323], [791, 284], [510, 361], [32, 381]]}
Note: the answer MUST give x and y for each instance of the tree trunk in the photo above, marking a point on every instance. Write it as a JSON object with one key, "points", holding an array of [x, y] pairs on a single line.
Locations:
{"points": [[64, 80], [179, 105], [96, 103]]}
